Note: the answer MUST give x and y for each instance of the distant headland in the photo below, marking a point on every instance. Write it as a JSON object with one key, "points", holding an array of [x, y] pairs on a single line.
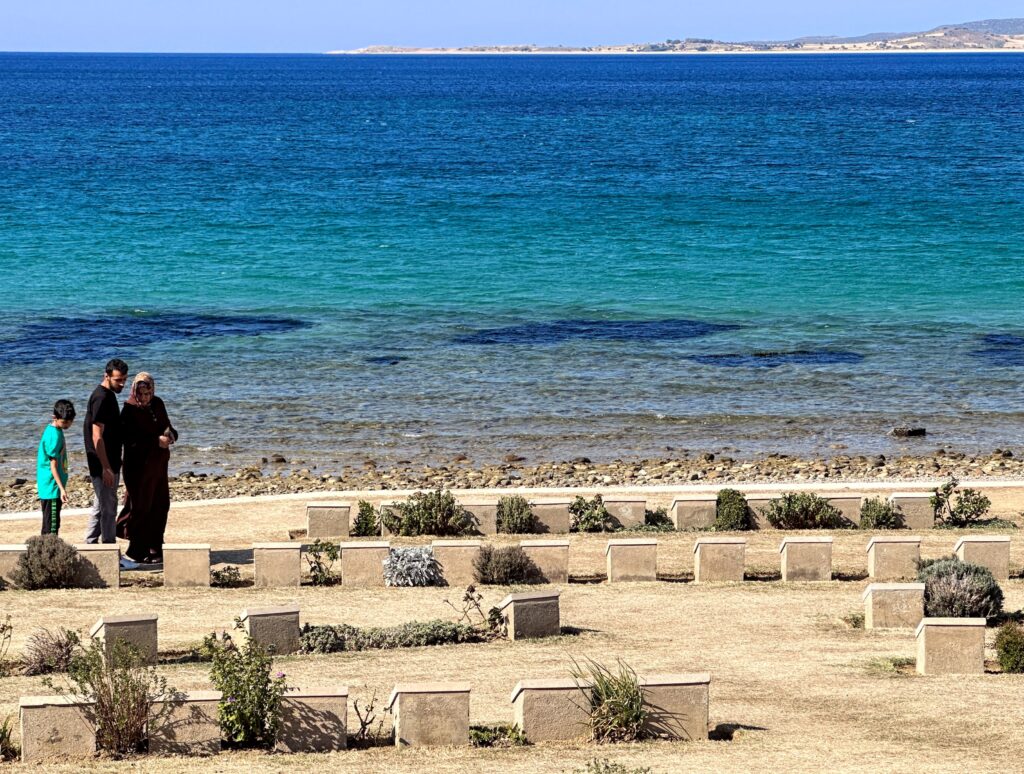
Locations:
{"points": [[987, 35]]}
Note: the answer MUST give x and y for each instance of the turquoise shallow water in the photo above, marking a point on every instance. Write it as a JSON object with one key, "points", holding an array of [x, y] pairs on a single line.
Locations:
{"points": [[404, 258]]}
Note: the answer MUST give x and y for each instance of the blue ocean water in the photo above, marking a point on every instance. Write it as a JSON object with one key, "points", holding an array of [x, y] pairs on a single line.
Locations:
{"points": [[403, 258]]}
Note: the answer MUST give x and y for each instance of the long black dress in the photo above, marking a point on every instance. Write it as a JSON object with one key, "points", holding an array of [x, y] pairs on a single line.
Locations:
{"points": [[143, 518]]}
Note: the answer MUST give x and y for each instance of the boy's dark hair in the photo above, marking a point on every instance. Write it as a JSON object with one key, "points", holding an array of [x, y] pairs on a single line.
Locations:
{"points": [[116, 364], [63, 409]]}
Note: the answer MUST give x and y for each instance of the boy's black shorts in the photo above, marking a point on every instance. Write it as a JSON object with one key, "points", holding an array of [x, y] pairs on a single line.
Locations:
{"points": [[51, 516]]}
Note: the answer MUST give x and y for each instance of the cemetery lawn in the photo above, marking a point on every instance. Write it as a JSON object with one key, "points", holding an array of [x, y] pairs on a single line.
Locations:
{"points": [[794, 687]]}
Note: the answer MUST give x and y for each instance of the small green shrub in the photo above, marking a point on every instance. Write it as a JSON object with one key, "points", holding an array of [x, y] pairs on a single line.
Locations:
{"points": [[515, 516], [47, 652], [1010, 647], [227, 578], [591, 516], [614, 702], [732, 513], [124, 696], [605, 766], [8, 749], [804, 510], [504, 566], [250, 707], [367, 521], [967, 509], [336, 639], [49, 563], [502, 735], [955, 589], [876, 513], [428, 513], [321, 557], [415, 566], [658, 519]]}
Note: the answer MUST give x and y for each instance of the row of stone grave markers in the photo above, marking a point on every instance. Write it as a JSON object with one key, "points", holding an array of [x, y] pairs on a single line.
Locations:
{"points": [[423, 715], [316, 720], [687, 512], [716, 559]]}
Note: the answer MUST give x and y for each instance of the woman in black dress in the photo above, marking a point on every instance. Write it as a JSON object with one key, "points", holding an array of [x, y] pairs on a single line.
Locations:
{"points": [[148, 436]]}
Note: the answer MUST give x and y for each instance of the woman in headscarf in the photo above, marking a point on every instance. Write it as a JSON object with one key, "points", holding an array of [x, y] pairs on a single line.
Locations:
{"points": [[148, 436]]}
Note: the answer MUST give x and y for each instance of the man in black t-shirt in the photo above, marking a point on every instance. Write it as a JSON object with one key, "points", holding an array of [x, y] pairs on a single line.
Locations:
{"points": [[103, 451]]}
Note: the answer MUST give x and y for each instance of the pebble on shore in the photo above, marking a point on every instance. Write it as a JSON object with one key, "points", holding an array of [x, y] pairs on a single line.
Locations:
{"points": [[20, 494]]}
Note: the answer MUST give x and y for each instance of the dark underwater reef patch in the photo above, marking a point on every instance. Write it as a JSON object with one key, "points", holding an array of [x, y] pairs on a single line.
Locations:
{"points": [[776, 359], [1001, 350], [557, 331], [91, 338], [385, 359]]}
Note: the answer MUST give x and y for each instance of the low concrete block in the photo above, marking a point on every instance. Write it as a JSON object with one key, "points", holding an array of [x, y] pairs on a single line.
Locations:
{"points": [[186, 725], [275, 628], [806, 558], [327, 520], [99, 566], [551, 557], [551, 710], [893, 558], [430, 714], [757, 504], [456, 559], [139, 631], [313, 720], [632, 560], [893, 605], [362, 564], [916, 508], [951, 646], [532, 614], [848, 505], [186, 565], [719, 560], [991, 551], [628, 511], [552, 516], [486, 514], [677, 705], [56, 728], [277, 565], [9, 556], [693, 511]]}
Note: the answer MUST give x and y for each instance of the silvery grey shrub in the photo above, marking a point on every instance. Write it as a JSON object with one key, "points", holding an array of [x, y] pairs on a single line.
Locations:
{"points": [[414, 566]]}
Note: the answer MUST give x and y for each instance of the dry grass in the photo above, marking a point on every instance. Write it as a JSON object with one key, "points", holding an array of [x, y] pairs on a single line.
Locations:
{"points": [[793, 685]]}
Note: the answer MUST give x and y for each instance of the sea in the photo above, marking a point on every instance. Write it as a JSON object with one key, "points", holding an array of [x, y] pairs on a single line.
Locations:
{"points": [[407, 258]]}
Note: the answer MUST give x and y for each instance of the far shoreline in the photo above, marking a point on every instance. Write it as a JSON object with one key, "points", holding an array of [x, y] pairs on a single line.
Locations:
{"points": [[786, 52]]}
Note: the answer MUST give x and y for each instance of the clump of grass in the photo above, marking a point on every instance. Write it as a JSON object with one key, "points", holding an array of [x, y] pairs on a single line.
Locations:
{"points": [[804, 510], [890, 666], [515, 516], [731, 512], [1010, 647], [605, 766], [501, 735], [505, 565], [614, 701], [854, 620], [9, 751], [47, 652], [876, 513]]}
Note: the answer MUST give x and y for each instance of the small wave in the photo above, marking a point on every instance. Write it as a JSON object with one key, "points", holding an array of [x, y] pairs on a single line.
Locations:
{"points": [[557, 331]]}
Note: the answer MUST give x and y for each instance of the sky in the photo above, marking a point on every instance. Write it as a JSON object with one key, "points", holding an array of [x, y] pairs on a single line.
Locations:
{"points": [[259, 26]]}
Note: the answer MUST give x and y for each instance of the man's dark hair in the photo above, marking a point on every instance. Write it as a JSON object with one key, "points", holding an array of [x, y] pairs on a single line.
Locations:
{"points": [[117, 364], [63, 409]]}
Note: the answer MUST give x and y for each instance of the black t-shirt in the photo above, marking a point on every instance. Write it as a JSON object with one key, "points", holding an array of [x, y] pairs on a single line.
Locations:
{"points": [[104, 410]]}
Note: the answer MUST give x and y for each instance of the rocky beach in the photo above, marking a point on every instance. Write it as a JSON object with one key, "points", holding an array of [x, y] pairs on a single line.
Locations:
{"points": [[280, 476]]}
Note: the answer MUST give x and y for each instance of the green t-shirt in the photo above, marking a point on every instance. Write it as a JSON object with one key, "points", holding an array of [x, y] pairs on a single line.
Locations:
{"points": [[51, 447]]}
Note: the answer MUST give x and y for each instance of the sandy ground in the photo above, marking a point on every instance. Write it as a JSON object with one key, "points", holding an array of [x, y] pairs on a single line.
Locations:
{"points": [[793, 686]]}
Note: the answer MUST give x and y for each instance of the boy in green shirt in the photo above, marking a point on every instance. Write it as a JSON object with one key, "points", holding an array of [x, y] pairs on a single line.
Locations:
{"points": [[52, 466]]}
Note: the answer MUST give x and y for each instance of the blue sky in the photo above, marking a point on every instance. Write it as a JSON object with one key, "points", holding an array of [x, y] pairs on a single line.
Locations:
{"points": [[320, 25]]}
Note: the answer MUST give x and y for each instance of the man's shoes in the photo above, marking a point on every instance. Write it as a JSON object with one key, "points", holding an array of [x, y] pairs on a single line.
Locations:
{"points": [[128, 564]]}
